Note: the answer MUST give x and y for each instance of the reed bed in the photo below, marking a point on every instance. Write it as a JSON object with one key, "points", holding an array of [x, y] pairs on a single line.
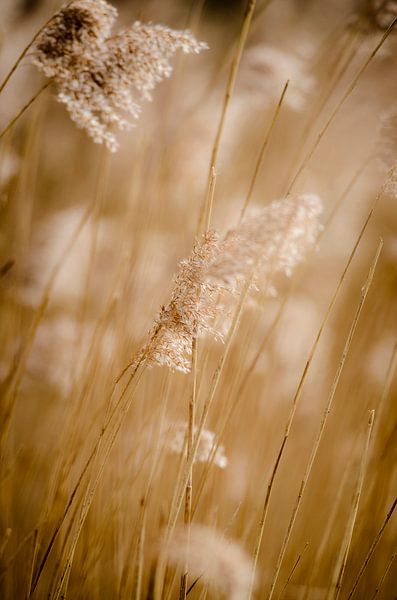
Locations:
{"points": [[198, 275]]}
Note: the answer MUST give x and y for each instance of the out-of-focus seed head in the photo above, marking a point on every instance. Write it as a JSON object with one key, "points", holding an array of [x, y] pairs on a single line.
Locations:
{"points": [[376, 14], [220, 563], [176, 438]]}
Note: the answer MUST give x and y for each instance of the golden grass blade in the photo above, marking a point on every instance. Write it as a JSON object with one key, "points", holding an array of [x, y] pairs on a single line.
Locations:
{"points": [[261, 154], [118, 411], [249, 11], [296, 563], [190, 444], [339, 105], [372, 548], [344, 552], [299, 390], [23, 110], [323, 423], [385, 574]]}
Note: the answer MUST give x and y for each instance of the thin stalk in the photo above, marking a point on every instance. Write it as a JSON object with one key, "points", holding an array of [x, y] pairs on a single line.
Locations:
{"points": [[210, 200], [120, 412], [331, 523], [324, 420], [13, 380], [94, 452], [249, 11], [296, 563], [140, 550], [23, 110], [268, 334], [262, 151], [372, 548], [382, 579], [341, 567], [339, 105], [190, 443], [298, 394], [25, 51], [32, 561], [208, 403]]}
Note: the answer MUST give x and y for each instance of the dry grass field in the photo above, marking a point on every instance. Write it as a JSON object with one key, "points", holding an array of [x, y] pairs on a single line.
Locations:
{"points": [[198, 291]]}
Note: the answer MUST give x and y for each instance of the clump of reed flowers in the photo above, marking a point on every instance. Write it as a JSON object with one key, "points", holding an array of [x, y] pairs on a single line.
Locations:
{"points": [[102, 78], [273, 240]]}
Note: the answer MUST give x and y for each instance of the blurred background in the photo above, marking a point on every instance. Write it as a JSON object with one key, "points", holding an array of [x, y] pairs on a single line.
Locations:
{"points": [[145, 203]]}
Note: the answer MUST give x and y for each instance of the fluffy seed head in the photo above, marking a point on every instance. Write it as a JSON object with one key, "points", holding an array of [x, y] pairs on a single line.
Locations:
{"points": [[272, 241], [176, 437], [102, 79], [190, 311], [222, 564], [77, 29]]}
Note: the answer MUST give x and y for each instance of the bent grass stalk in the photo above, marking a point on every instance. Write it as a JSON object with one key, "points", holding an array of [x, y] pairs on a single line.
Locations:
{"points": [[339, 105], [296, 563], [372, 548], [340, 567], [324, 420], [118, 411], [190, 443], [23, 110], [385, 574], [249, 11], [298, 394], [13, 380], [331, 523], [261, 154]]}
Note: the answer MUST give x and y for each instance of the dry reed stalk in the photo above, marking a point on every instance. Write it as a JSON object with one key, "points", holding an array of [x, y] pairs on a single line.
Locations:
{"points": [[299, 389], [339, 70], [25, 51], [118, 413], [140, 553], [261, 154], [190, 444], [11, 124], [296, 563], [13, 380], [269, 333], [208, 402], [340, 566], [382, 579], [249, 11], [95, 478], [338, 106], [209, 201], [372, 549], [32, 561], [180, 486], [324, 420], [331, 523], [154, 470]]}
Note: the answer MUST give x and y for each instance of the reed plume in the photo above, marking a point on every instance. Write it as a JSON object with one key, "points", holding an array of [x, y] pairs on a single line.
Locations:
{"points": [[101, 79], [273, 240]]}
